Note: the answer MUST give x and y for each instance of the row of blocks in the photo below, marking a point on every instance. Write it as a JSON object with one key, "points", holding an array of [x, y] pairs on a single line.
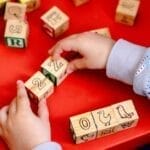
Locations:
{"points": [[104, 121], [41, 84]]}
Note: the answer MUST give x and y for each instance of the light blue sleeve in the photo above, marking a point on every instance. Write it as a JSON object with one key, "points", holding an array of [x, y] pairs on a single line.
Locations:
{"points": [[48, 146], [130, 63]]}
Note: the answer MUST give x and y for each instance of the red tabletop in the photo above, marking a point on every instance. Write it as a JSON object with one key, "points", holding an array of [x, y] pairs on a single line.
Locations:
{"points": [[84, 90]]}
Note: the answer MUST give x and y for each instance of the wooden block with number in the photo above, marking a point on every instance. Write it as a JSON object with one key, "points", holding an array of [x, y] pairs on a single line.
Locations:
{"points": [[102, 31], [126, 114], [83, 127], [55, 70], [55, 22], [15, 10], [80, 2], [39, 87], [16, 33], [126, 11], [105, 121], [31, 4]]}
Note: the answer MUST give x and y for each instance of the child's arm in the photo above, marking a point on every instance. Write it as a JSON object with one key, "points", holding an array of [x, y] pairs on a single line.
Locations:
{"points": [[121, 59], [21, 129]]}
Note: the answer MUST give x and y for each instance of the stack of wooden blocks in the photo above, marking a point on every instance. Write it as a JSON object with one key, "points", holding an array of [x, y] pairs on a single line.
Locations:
{"points": [[103, 121], [41, 84], [126, 11]]}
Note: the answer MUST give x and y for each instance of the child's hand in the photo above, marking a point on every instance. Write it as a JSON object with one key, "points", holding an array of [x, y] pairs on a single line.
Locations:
{"points": [[20, 128], [94, 48]]}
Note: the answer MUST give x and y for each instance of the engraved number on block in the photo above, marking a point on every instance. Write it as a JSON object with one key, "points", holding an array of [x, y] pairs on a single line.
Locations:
{"points": [[55, 65], [104, 118], [15, 28], [15, 42], [84, 123], [123, 113], [38, 83], [15, 11], [54, 18]]}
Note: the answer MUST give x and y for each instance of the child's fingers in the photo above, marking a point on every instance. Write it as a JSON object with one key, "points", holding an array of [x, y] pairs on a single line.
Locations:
{"points": [[22, 101], [3, 115], [76, 64], [43, 112], [12, 107]]}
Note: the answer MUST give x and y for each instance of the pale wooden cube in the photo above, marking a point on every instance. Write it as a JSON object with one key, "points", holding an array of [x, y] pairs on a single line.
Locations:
{"points": [[83, 128], [102, 31], [80, 2], [126, 114], [55, 21], [55, 70], [39, 87], [31, 4], [16, 33], [126, 11], [105, 121], [15, 11]]}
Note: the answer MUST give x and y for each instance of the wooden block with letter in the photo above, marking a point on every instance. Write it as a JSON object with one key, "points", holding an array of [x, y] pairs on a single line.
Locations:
{"points": [[83, 127], [55, 70], [15, 10], [31, 4], [80, 2], [16, 33], [126, 114], [39, 87], [126, 11], [102, 31], [55, 22], [105, 121]]}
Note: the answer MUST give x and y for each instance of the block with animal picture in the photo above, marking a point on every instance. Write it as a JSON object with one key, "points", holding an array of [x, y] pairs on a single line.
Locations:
{"points": [[83, 128], [15, 10], [16, 33], [126, 11], [126, 114], [55, 69], [80, 2], [102, 31], [55, 22], [31, 4], [39, 87], [105, 121]]}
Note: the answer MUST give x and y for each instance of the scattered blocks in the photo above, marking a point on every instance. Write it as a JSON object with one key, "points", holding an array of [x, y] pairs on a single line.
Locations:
{"points": [[55, 22], [15, 11], [79, 2], [103, 31], [39, 87], [103, 121], [55, 70], [83, 127], [126, 11], [16, 33], [31, 4]]}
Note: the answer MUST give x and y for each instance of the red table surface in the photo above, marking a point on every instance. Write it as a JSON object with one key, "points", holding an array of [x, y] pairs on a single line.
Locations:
{"points": [[84, 90]]}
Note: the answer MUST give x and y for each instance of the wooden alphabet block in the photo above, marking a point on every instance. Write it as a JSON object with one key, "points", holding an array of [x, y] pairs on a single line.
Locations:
{"points": [[55, 70], [39, 87], [31, 4], [105, 121], [15, 11], [55, 22], [80, 2], [126, 11], [16, 33], [102, 31], [126, 114], [83, 127]]}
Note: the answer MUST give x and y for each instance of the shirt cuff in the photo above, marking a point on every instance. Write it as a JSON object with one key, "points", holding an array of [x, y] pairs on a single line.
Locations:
{"points": [[48, 146], [123, 61]]}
